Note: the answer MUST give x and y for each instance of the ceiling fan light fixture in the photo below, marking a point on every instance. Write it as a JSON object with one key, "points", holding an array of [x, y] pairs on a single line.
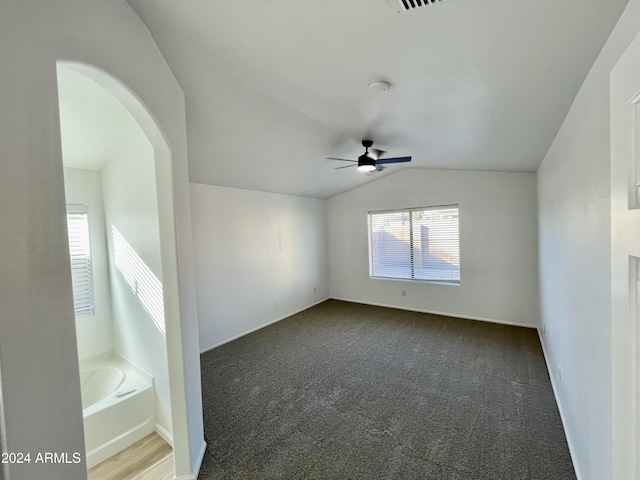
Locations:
{"points": [[366, 168], [370, 162], [366, 163]]}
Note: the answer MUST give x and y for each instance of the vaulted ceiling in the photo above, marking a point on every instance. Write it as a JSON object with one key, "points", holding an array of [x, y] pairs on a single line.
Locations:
{"points": [[273, 87]]}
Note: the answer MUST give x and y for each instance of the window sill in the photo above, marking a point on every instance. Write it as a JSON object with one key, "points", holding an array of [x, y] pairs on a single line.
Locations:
{"points": [[417, 280]]}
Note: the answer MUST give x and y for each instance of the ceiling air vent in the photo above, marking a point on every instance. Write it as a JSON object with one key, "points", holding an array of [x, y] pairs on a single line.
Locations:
{"points": [[408, 5]]}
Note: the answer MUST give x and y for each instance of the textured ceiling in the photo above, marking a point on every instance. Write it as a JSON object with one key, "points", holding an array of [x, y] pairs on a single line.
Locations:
{"points": [[273, 87]]}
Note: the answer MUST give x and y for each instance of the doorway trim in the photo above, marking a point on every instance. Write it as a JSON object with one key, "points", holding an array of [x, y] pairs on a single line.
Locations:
{"points": [[169, 257]]}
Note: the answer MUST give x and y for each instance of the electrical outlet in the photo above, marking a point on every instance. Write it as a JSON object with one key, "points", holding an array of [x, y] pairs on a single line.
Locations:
{"points": [[276, 304], [314, 289], [559, 373], [544, 329], [404, 293]]}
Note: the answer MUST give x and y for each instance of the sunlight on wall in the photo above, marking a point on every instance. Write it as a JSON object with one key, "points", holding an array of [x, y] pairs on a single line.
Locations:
{"points": [[144, 284]]}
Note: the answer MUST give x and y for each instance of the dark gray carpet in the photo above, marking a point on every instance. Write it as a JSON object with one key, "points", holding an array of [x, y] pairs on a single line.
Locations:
{"points": [[348, 391]]}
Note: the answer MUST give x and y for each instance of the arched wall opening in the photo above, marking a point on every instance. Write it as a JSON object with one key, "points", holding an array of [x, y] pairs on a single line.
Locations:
{"points": [[153, 281]]}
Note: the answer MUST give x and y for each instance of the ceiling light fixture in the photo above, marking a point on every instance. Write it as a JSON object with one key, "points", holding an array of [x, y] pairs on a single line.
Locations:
{"points": [[366, 167]]}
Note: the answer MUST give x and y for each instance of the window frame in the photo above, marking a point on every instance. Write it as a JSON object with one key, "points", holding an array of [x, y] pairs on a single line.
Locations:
{"points": [[409, 211]]}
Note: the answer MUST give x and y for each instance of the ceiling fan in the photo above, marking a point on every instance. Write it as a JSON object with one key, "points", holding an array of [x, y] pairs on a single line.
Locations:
{"points": [[370, 161]]}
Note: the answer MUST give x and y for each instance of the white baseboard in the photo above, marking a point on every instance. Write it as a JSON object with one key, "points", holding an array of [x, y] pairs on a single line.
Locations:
{"points": [[567, 434], [196, 467], [235, 337], [433, 312], [165, 434]]}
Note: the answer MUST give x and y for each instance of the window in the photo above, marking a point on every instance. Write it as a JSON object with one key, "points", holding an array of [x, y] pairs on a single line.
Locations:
{"points": [[415, 244], [80, 253]]}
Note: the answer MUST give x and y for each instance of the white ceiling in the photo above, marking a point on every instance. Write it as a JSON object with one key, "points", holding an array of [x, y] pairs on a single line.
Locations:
{"points": [[273, 87]]}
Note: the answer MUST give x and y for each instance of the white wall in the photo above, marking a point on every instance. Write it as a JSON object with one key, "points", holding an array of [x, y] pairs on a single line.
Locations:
{"points": [[253, 249], [131, 212], [498, 244], [575, 262], [94, 333], [625, 267], [39, 361]]}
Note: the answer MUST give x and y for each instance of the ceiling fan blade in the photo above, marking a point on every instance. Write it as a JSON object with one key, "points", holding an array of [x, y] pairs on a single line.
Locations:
{"points": [[379, 168], [341, 159], [346, 166], [378, 153], [393, 160]]}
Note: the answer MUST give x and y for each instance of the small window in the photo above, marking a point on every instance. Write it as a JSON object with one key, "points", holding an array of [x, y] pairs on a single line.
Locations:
{"points": [[415, 244], [80, 254]]}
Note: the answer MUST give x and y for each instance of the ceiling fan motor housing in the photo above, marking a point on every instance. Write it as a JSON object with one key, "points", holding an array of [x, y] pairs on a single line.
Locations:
{"points": [[366, 160]]}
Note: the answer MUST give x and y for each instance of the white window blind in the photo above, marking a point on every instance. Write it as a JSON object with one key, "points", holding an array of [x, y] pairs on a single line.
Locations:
{"points": [[415, 244], [80, 253]]}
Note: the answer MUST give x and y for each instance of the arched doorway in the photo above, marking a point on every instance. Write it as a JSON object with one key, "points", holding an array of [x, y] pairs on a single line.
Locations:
{"points": [[142, 271]]}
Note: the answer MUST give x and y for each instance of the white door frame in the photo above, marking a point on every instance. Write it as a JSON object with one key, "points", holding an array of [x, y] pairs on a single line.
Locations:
{"points": [[625, 262]]}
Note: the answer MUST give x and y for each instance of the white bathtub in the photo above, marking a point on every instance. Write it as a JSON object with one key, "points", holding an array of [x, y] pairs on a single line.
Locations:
{"points": [[118, 407]]}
